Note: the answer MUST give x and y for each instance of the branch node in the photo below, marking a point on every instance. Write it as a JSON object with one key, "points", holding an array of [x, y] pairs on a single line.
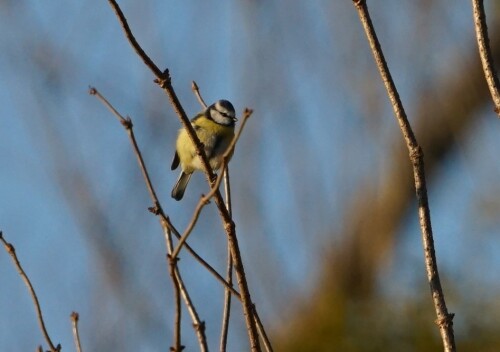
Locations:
{"points": [[416, 154], [446, 321], [156, 209], [165, 80], [127, 123], [75, 316], [205, 199], [200, 326], [172, 260], [358, 3]]}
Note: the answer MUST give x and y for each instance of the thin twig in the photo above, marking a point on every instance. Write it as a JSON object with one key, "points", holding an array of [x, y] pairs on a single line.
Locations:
{"points": [[229, 272], [196, 91], [76, 335], [483, 43], [163, 79], [444, 319], [123, 21], [262, 331], [198, 325], [165, 221], [172, 265], [167, 228], [204, 200], [9, 248], [127, 123]]}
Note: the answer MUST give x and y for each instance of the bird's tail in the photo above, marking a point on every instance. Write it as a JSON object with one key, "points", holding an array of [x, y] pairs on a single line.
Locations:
{"points": [[180, 185]]}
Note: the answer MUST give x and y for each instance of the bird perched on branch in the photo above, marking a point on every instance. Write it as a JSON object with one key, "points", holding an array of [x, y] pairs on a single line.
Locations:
{"points": [[215, 128]]}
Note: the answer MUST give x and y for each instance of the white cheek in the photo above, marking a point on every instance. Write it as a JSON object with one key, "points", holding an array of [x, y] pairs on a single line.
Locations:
{"points": [[217, 116]]}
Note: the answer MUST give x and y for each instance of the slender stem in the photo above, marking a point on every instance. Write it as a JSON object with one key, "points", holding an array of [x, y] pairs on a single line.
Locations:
{"points": [[76, 335], [128, 33], [483, 43], [229, 272], [164, 81], [177, 295], [444, 319], [167, 228], [215, 187], [9, 248], [196, 91]]}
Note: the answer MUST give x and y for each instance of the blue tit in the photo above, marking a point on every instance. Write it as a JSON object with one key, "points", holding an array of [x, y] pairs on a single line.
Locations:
{"points": [[215, 129]]}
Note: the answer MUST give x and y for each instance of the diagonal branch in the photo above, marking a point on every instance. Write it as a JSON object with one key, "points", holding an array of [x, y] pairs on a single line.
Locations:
{"points": [[164, 81], [483, 43], [9, 248], [123, 21], [444, 319], [167, 228], [205, 199]]}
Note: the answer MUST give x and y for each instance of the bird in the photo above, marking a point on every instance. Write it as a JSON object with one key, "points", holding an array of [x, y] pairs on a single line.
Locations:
{"points": [[215, 128]]}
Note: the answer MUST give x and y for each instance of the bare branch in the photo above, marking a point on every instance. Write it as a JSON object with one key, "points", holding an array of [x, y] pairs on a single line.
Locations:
{"points": [[229, 272], [76, 335], [164, 81], [215, 187], [483, 43], [128, 33], [444, 319], [9, 248], [196, 91], [178, 314], [127, 123], [168, 228]]}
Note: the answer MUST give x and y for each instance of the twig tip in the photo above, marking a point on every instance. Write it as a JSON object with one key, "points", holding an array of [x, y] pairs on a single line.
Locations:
{"points": [[92, 90], [247, 112], [75, 316]]}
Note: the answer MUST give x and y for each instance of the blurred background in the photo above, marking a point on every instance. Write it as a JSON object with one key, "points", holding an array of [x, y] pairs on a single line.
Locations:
{"points": [[322, 192]]}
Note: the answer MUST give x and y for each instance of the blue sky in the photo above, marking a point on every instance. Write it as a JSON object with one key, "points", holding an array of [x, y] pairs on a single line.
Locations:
{"points": [[322, 127]]}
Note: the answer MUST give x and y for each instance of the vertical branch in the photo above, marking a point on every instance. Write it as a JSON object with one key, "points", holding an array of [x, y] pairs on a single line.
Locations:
{"points": [[444, 319], [163, 79], [9, 248], [76, 335], [180, 290], [229, 271], [483, 43], [172, 265]]}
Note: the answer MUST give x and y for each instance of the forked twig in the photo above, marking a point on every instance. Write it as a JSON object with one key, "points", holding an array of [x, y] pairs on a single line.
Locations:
{"points": [[444, 319], [76, 335], [164, 221], [483, 43], [215, 187], [163, 79], [229, 271], [181, 289], [9, 248]]}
